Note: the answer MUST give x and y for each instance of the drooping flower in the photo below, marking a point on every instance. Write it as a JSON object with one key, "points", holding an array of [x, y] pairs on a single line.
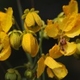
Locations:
{"points": [[32, 20]]}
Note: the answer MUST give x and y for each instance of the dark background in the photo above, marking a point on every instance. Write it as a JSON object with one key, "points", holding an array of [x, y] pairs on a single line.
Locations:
{"points": [[49, 9]]}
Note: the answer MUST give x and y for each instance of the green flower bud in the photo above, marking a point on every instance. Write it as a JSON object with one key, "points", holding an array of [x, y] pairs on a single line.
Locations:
{"points": [[15, 39], [12, 74], [28, 74]]}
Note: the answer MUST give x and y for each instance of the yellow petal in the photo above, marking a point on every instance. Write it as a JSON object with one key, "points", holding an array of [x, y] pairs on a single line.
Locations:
{"points": [[5, 54], [51, 63], [4, 39], [75, 31], [6, 24], [60, 72], [5, 49], [30, 44], [2, 16], [51, 29], [72, 7], [41, 67], [37, 19], [50, 73], [68, 22], [29, 20], [69, 49], [32, 28], [54, 52]]}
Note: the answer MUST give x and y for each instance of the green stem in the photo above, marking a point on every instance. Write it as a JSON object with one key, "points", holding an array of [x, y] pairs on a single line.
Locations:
{"points": [[29, 58], [40, 40], [17, 26], [19, 67], [20, 13], [40, 45]]}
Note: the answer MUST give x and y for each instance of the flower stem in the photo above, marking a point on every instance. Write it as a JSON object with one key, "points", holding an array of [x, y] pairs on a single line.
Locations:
{"points": [[29, 58], [40, 40], [40, 45], [19, 67]]}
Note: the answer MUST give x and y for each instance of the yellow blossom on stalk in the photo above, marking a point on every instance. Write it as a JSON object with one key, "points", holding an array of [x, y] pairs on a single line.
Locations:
{"points": [[30, 44], [5, 25], [53, 67], [67, 26], [32, 20]]}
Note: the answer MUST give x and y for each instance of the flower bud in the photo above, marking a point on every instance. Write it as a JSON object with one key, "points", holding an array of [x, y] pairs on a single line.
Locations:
{"points": [[15, 39], [12, 74], [30, 44], [28, 74]]}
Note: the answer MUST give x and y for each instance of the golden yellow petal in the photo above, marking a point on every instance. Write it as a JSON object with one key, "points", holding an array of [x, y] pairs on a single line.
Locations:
{"points": [[5, 49], [29, 20], [5, 54], [37, 19], [51, 63], [2, 16], [50, 73], [40, 67], [68, 22], [6, 24], [4, 39], [75, 31], [54, 52], [30, 44], [69, 49], [51, 29], [71, 7], [60, 72]]}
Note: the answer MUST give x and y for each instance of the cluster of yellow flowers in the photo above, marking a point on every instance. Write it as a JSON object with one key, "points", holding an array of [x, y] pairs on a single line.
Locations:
{"points": [[65, 26]]}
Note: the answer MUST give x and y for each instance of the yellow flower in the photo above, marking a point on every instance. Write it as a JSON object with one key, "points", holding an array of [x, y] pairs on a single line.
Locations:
{"points": [[57, 68], [6, 20], [53, 67], [5, 49], [5, 25], [65, 25], [30, 44], [33, 21]]}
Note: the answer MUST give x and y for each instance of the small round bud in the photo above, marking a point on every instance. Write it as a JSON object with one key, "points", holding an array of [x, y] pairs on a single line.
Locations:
{"points": [[28, 74]]}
